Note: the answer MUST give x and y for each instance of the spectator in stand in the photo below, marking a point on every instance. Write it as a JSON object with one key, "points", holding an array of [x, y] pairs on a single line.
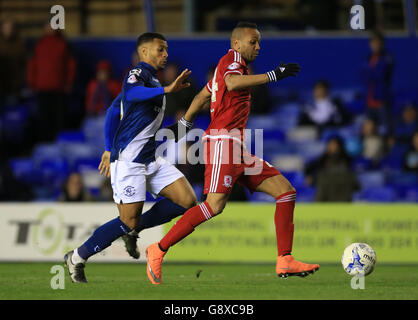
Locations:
{"points": [[332, 174], [73, 189], [323, 111], [411, 157], [408, 124], [12, 63], [51, 73], [377, 75], [373, 144], [176, 103], [101, 90]]}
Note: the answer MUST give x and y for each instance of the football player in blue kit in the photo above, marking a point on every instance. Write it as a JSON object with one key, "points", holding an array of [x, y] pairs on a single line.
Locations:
{"points": [[131, 124]]}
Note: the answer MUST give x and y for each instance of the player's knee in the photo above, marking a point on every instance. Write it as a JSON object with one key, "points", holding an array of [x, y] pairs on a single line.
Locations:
{"points": [[188, 201], [285, 188]]}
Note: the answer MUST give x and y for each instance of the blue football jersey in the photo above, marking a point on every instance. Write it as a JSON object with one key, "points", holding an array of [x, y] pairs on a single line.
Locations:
{"points": [[134, 139]]}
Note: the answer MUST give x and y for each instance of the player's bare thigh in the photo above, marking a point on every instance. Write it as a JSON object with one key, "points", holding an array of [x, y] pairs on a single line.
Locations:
{"points": [[275, 186], [217, 201], [181, 193], [130, 213]]}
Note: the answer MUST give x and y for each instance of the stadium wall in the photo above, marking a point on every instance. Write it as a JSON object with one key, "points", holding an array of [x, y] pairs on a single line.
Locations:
{"points": [[243, 233], [337, 59]]}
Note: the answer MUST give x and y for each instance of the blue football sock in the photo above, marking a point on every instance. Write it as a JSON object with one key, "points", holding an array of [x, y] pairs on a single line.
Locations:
{"points": [[103, 237], [163, 211]]}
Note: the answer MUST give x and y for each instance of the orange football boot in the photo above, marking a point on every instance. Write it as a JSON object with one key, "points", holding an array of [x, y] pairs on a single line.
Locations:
{"points": [[287, 266], [155, 258]]}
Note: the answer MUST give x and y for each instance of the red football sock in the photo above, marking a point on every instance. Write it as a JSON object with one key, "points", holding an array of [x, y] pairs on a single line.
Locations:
{"points": [[186, 224], [283, 219]]}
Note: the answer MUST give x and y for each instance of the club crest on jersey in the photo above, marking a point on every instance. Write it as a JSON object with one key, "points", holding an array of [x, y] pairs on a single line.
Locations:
{"points": [[233, 66], [129, 191], [227, 181], [133, 75]]}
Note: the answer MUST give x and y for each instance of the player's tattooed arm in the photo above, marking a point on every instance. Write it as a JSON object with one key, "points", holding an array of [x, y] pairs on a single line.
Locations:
{"points": [[239, 82]]}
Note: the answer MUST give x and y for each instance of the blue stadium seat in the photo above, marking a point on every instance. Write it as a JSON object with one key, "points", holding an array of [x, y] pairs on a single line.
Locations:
{"points": [[71, 137], [361, 164], [310, 150], [394, 160], [357, 106], [54, 171], [278, 147], [258, 197], [402, 178], [296, 178], [93, 127], [46, 151], [410, 193], [328, 133], [14, 121], [83, 164], [262, 122], [379, 194], [273, 134], [73, 151], [305, 194], [24, 170], [371, 179], [201, 122]]}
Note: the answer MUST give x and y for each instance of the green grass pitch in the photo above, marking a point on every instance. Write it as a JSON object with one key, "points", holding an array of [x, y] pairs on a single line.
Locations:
{"points": [[206, 281]]}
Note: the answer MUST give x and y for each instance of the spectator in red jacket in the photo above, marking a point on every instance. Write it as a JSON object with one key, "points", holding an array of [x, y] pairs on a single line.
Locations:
{"points": [[50, 74], [102, 90]]}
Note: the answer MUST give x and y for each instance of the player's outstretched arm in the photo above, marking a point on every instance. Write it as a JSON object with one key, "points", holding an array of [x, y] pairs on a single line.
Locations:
{"points": [[239, 82], [179, 83], [185, 124]]}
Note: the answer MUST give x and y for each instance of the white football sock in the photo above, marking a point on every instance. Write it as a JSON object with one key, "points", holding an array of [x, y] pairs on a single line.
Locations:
{"points": [[75, 258]]}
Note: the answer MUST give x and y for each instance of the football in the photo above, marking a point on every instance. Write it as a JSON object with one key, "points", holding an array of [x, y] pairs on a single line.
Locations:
{"points": [[358, 258]]}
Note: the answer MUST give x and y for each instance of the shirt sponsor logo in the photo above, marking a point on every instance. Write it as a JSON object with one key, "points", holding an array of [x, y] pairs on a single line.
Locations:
{"points": [[233, 66]]}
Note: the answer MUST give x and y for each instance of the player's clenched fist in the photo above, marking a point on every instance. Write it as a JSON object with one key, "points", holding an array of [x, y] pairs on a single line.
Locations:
{"points": [[104, 166], [179, 83], [283, 71]]}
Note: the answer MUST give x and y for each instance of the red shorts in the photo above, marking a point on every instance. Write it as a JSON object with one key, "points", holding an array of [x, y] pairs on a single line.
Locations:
{"points": [[227, 162]]}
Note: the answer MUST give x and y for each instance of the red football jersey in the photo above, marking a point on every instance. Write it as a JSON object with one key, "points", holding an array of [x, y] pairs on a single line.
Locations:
{"points": [[228, 109]]}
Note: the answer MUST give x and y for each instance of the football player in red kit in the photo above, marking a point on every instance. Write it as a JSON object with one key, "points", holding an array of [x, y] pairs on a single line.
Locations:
{"points": [[226, 159]]}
